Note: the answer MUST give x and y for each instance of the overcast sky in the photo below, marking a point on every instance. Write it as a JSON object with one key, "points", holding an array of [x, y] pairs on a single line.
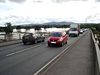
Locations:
{"points": [[40, 11]]}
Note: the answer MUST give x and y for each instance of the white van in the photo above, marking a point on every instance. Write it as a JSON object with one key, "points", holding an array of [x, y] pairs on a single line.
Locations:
{"points": [[74, 30]]}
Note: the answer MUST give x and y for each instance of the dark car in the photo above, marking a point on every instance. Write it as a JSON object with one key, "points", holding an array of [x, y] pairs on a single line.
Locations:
{"points": [[29, 38], [57, 38]]}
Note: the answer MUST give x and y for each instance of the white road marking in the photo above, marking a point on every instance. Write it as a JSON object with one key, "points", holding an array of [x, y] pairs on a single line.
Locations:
{"points": [[64, 51], [21, 50], [52, 60]]}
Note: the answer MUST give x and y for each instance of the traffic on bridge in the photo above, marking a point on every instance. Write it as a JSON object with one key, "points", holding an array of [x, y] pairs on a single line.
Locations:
{"points": [[49, 37]]}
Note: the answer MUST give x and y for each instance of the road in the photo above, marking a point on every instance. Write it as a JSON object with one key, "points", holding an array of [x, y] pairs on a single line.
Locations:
{"points": [[19, 59], [79, 60]]}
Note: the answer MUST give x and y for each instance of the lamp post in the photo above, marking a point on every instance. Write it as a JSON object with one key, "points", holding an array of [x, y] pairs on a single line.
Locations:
{"points": [[89, 17], [5, 32]]}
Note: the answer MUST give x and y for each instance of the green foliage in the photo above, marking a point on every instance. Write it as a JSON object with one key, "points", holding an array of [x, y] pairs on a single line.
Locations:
{"points": [[2, 29], [37, 28], [91, 26], [27, 27], [94, 27], [8, 29], [18, 27]]}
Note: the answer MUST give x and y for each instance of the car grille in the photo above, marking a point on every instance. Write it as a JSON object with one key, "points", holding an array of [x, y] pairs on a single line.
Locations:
{"points": [[54, 40]]}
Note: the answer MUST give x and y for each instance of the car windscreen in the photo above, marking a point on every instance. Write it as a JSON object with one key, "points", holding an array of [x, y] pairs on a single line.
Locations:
{"points": [[56, 34], [73, 29], [28, 34]]}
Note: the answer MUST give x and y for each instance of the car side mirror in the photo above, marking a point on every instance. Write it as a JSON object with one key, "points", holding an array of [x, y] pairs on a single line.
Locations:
{"points": [[63, 35]]}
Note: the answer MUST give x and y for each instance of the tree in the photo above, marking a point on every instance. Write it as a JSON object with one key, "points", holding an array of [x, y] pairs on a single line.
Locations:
{"points": [[19, 31], [37, 28], [8, 30], [27, 28], [2, 29]]}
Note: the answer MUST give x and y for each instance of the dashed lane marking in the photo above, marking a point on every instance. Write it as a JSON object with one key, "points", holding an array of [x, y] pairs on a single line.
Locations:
{"points": [[21, 51]]}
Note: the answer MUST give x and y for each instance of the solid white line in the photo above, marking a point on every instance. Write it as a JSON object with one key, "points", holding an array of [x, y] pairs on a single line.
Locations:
{"points": [[51, 61], [21, 51], [37, 72]]}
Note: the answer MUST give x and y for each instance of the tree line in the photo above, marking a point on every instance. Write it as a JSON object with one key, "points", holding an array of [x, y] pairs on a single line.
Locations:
{"points": [[91, 26], [9, 28]]}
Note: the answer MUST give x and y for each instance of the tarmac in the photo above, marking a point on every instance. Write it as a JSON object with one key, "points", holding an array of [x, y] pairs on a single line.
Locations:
{"points": [[78, 61], [7, 43]]}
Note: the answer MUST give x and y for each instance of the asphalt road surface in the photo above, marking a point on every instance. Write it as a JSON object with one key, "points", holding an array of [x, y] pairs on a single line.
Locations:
{"points": [[78, 60], [19, 59]]}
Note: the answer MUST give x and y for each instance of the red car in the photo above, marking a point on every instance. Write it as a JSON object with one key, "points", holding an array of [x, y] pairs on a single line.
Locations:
{"points": [[57, 38]]}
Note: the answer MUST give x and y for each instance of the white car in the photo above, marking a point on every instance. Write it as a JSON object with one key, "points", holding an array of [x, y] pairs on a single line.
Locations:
{"points": [[73, 32], [81, 31]]}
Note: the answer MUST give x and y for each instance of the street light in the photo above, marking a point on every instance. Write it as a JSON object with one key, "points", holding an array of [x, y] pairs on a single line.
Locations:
{"points": [[89, 17], [5, 31]]}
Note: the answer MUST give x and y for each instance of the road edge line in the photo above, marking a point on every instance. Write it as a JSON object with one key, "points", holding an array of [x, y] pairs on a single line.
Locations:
{"points": [[57, 56]]}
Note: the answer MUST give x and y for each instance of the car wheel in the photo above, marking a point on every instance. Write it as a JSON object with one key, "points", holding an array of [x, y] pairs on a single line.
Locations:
{"points": [[49, 45], [62, 44], [69, 35], [43, 40], [35, 41], [24, 43], [76, 35], [66, 42]]}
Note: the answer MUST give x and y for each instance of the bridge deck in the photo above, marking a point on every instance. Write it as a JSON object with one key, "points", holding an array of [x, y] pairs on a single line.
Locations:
{"points": [[78, 61]]}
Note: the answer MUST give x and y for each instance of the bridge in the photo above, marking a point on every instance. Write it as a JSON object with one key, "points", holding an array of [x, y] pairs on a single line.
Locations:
{"points": [[81, 56]]}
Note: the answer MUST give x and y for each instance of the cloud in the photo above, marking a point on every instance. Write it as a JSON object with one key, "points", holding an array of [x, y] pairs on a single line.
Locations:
{"points": [[3, 1], [97, 0], [59, 1], [18, 1], [37, 1]]}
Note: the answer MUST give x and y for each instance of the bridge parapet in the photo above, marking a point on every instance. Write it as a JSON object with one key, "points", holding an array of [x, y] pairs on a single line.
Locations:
{"points": [[97, 54]]}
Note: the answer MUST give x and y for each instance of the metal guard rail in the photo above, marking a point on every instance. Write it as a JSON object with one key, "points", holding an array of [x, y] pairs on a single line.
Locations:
{"points": [[97, 55]]}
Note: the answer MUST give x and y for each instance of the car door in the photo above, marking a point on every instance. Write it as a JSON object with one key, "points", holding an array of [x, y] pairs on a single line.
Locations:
{"points": [[65, 37], [39, 37]]}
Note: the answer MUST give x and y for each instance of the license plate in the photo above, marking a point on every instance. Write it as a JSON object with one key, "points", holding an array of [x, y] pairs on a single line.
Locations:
{"points": [[53, 42]]}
